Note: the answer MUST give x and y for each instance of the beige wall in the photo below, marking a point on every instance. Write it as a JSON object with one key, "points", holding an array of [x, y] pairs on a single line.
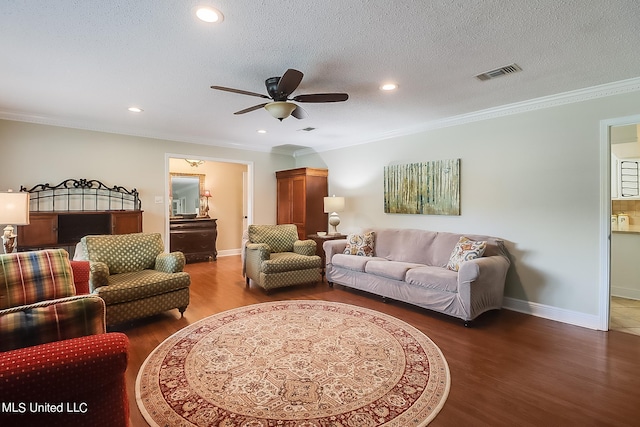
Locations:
{"points": [[34, 154], [225, 181], [531, 178]]}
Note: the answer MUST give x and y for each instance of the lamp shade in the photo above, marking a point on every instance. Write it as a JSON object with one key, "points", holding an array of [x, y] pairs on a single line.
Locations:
{"points": [[280, 109], [207, 193], [333, 204], [14, 208]]}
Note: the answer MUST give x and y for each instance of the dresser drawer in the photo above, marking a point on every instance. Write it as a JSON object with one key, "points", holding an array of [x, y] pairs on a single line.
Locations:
{"points": [[196, 239]]}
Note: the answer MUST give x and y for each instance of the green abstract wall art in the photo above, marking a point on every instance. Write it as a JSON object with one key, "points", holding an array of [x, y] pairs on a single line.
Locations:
{"points": [[429, 188]]}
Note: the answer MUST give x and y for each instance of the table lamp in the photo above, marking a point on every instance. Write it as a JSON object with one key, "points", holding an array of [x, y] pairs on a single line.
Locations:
{"points": [[14, 210], [207, 194], [333, 205]]}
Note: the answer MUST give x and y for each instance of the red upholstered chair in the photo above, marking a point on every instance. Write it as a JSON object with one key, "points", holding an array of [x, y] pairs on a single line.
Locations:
{"points": [[84, 378], [57, 364], [81, 272]]}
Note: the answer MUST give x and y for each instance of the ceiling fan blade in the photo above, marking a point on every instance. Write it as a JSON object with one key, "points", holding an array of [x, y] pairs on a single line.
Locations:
{"points": [[288, 83], [242, 92], [322, 97], [247, 110], [299, 113]]}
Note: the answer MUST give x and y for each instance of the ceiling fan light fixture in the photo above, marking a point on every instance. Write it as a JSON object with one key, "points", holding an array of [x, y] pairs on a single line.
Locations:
{"points": [[280, 109], [209, 14]]}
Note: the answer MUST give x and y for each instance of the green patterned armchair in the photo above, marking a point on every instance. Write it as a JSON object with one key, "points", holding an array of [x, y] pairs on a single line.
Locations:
{"points": [[134, 276], [275, 258]]}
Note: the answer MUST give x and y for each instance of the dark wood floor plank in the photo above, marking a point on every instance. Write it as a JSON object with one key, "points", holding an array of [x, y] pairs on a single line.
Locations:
{"points": [[508, 369]]}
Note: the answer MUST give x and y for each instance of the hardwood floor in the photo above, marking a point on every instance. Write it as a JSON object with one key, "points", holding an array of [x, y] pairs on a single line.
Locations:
{"points": [[509, 369]]}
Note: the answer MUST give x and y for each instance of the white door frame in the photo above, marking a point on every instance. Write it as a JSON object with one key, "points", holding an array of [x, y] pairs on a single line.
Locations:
{"points": [[605, 216]]}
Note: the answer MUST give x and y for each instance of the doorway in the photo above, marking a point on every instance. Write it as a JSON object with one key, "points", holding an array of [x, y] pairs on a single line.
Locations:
{"points": [[620, 224], [228, 185]]}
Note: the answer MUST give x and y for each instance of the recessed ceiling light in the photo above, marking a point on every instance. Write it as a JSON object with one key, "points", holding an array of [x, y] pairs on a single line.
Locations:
{"points": [[389, 86], [209, 14], [135, 109], [262, 131]]}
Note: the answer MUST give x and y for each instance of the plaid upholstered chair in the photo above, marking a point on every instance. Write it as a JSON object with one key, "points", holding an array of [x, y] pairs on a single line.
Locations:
{"points": [[275, 258], [39, 302], [134, 276], [53, 345]]}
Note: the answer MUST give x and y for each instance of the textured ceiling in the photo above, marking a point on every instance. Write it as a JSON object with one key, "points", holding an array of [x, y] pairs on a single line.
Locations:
{"points": [[82, 63]]}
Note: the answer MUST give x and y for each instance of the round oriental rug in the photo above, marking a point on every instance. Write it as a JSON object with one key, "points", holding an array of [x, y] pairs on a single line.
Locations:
{"points": [[294, 363]]}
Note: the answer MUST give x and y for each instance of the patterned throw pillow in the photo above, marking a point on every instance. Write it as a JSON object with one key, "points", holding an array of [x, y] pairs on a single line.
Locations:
{"points": [[360, 244], [465, 250]]}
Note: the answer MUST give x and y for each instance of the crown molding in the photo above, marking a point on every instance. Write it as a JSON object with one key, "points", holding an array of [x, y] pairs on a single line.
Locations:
{"points": [[54, 121], [579, 95]]}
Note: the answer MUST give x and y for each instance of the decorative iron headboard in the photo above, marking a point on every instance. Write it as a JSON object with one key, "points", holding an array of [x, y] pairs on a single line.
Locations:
{"points": [[81, 195]]}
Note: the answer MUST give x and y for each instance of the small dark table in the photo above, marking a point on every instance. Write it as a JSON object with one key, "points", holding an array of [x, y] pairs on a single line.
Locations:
{"points": [[320, 240]]}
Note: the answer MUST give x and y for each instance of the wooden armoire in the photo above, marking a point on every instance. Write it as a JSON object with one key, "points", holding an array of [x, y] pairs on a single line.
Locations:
{"points": [[301, 194]]}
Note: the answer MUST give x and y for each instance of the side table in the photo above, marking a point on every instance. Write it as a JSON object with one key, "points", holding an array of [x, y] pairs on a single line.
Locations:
{"points": [[320, 240]]}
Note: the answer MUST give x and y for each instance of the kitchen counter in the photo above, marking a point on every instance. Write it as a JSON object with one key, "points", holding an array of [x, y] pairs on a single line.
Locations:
{"points": [[632, 229]]}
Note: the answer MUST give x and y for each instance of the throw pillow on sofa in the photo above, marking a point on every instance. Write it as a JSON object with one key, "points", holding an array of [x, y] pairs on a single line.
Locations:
{"points": [[465, 250], [360, 244]]}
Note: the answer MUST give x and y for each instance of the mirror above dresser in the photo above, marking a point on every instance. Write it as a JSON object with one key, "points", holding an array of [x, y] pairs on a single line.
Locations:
{"points": [[187, 191]]}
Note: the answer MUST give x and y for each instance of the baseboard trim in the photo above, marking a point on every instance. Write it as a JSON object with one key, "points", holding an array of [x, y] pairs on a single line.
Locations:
{"points": [[552, 313], [622, 292], [229, 252]]}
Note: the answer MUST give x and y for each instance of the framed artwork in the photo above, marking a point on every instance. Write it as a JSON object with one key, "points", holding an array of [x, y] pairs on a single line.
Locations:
{"points": [[429, 188]]}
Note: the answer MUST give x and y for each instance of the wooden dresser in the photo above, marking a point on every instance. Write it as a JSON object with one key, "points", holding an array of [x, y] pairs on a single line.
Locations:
{"points": [[62, 214], [301, 194], [66, 228], [195, 238]]}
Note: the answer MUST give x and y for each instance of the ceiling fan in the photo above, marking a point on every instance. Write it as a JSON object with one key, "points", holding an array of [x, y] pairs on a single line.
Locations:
{"points": [[279, 90]]}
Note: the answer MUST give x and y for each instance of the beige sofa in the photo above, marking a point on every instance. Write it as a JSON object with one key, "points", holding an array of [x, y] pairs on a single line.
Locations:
{"points": [[411, 266]]}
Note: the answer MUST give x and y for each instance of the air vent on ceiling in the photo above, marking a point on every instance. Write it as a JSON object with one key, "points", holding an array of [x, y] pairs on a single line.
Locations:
{"points": [[502, 71]]}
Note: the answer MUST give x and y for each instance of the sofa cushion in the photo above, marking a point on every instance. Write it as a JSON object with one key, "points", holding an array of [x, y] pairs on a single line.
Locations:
{"points": [[465, 250], [280, 238], [430, 277], [352, 262], [407, 245], [395, 270], [446, 242], [124, 253], [360, 244], [139, 285], [289, 261]]}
